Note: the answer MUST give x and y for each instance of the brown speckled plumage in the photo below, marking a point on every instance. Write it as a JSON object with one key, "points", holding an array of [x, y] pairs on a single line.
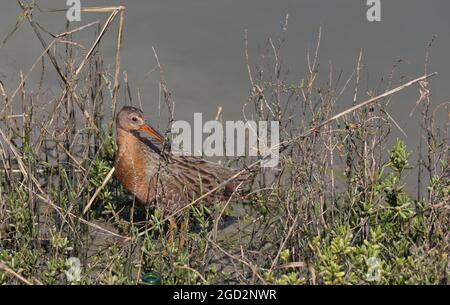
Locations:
{"points": [[154, 176]]}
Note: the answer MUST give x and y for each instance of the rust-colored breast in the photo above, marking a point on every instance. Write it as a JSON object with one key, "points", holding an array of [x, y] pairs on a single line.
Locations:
{"points": [[131, 168]]}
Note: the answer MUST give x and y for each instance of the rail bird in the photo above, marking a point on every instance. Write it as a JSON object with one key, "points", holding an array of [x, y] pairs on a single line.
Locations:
{"points": [[160, 178]]}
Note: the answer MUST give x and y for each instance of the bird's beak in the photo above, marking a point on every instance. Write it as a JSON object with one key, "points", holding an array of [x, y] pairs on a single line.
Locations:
{"points": [[151, 132]]}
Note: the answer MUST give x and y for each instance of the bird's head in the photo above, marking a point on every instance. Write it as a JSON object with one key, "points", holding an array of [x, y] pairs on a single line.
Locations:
{"points": [[132, 119]]}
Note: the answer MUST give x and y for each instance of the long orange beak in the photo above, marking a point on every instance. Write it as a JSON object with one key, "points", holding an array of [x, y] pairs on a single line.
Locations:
{"points": [[151, 132]]}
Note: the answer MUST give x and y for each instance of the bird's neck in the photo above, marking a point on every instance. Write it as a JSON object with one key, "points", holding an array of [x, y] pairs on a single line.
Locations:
{"points": [[128, 146], [126, 140]]}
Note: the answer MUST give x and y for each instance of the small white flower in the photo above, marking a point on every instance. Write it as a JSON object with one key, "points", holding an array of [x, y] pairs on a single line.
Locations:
{"points": [[74, 272]]}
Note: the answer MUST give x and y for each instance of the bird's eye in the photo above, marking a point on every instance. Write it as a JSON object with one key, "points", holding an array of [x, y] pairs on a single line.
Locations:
{"points": [[134, 119]]}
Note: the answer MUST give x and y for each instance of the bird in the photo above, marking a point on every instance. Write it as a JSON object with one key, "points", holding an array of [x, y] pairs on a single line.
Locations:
{"points": [[158, 177]]}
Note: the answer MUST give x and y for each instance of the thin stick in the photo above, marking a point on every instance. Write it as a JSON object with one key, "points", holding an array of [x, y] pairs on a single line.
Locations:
{"points": [[117, 72], [275, 261], [248, 264], [99, 37], [216, 222], [6, 269], [63, 34], [368, 102], [105, 181], [102, 9], [32, 68], [193, 270]]}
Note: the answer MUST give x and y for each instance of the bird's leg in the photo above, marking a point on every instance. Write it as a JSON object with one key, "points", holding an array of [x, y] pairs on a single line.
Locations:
{"points": [[181, 230], [182, 234], [172, 229]]}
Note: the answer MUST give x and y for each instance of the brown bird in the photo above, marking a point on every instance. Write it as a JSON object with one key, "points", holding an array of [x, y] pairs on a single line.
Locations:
{"points": [[158, 177]]}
